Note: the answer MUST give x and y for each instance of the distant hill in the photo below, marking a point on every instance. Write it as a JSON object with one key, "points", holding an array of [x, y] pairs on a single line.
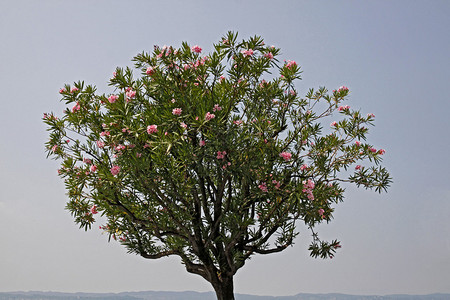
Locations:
{"points": [[154, 295]]}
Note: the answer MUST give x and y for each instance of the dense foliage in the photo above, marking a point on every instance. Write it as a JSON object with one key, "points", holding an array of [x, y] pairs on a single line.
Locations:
{"points": [[211, 158]]}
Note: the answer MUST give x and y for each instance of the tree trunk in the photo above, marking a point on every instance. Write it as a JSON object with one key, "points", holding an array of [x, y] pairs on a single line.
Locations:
{"points": [[224, 288]]}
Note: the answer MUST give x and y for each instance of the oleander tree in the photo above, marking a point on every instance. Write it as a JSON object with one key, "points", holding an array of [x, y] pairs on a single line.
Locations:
{"points": [[212, 158]]}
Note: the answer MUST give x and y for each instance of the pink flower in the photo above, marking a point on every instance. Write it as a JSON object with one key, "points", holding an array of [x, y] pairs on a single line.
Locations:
{"points": [[93, 168], [115, 170], [182, 124], [286, 155], [150, 71], [94, 209], [217, 107], [333, 124], [100, 144], [358, 143], [76, 107], [248, 52], [303, 167], [61, 91], [372, 149], [152, 129], [238, 122], [321, 211], [342, 108], [105, 133], [202, 143], [268, 55], [358, 167], [263, 187], [112, 98], [276, 183], [209, 116], [370, 115], [54, 148], [196, 49], [309, 184], [381, 151], [177, 111], [74, 89], [342, 88], [290, 64], [221, 155], [131, 94]]}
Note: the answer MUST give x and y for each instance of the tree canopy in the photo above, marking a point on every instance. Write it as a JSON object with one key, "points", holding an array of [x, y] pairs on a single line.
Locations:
{"points": [[212, 158]]}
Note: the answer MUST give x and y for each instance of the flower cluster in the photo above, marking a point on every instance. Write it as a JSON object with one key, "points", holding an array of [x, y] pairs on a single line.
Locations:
{"points": [[308, 187], [286, 155]]}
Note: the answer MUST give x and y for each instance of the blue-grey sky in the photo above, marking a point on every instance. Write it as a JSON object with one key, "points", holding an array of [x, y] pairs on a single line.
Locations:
{"points": [[394, 57]]}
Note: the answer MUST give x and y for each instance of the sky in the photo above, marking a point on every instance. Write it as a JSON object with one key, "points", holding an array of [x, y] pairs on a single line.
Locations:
{"points": [[394, 57]]}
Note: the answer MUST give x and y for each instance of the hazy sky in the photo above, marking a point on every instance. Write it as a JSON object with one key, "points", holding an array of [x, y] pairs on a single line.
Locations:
{"points": [[393, 55]]}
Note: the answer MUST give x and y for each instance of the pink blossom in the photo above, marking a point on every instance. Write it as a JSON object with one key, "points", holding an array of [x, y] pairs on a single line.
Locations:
{"points": [[202, 143], [150, 71], [100, 144], [268, 55], [105, 133], [286, 155], [309, 184], [370, 115], [333, 124], [263, 187], [303, 167], [381, 151], [130, 93], [290, 64], [87, 161], [342, 108], [196, 49], [276, 183], [209, 116], [238, 122], [76, 107], [152, 129], [182, 124], [248, 52], [342, 88], [115, 170], [372, 149], [61, 91], [94, 209], [358, 167], [113, 98], [74, 89], [221, 155], [358, 143], [321, 211], [120, 147], [93, 168], [177, 111], [54, 148], [217, 107]]}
